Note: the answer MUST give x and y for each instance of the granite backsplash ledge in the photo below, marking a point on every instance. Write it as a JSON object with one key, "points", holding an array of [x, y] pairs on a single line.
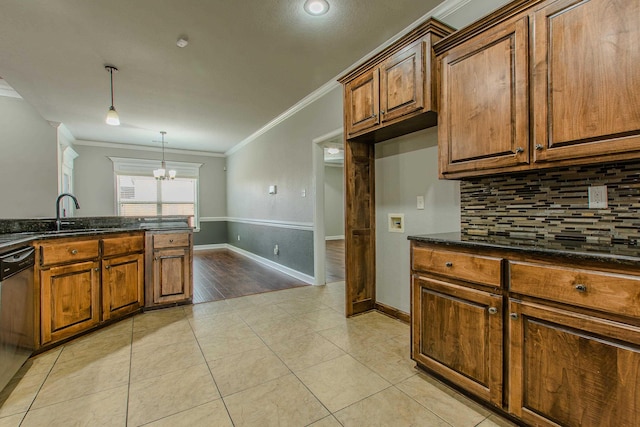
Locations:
{"points": [[554, 204], [37, 225]]}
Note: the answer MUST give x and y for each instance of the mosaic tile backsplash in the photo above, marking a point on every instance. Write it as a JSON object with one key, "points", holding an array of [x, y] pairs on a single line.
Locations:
{"points": [[554, 204]]}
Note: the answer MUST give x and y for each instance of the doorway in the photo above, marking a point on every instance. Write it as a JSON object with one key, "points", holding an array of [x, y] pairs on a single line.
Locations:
{"points": [[328, 168]]}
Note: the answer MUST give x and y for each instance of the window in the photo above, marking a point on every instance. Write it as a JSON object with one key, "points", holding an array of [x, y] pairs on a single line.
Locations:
{"points": [[138, 193]]}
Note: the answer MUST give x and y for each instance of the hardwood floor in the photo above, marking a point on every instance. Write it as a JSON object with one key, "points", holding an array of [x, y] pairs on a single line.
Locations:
{"points": [[220, 274], [335, 261]]}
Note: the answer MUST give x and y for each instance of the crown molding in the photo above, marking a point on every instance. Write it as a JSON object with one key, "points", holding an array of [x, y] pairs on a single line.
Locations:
{"points": [[303, 103], [102, 144], [441, 11]]}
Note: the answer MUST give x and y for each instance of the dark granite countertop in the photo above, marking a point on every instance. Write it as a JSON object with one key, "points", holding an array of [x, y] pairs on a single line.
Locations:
{"points": [[21, 232], [619, 253]]}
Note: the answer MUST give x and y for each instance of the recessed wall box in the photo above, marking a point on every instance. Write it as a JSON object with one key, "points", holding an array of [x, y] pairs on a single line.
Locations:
{"points": [[396, 223]]}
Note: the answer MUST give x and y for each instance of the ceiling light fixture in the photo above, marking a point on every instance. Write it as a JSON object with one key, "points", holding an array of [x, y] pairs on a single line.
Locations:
{"points": [[333, 150], [316, 7], [161, 173], [112, 116], [183, 41]]}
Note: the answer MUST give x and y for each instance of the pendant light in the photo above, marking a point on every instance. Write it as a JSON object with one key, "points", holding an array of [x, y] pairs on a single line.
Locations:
{"points": [[161, 173], [112, 116]]}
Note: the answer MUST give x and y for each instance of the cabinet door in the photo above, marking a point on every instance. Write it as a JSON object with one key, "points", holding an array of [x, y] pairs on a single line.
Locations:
{"points": [[122, 285], [402, 83], [571, 369], [457, 333], [586, 80], [484, 102], [171, 275], [70, 300], [362, 103]]}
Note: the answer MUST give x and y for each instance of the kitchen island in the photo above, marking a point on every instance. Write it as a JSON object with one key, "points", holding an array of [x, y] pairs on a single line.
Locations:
{"points": [[544, 331], [97, 270]]}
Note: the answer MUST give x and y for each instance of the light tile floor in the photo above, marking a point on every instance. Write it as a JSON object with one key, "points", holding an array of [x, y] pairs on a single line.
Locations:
{"points": [[285, 358]]}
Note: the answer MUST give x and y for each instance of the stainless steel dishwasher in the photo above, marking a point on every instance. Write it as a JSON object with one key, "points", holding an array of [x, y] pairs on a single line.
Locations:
{"points": [[16, 311]]}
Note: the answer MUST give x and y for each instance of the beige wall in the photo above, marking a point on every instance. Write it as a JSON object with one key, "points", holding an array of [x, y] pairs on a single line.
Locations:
{"points": [[282, 156], [407, 167], [95, 182], [28, 162], [333, 201]]}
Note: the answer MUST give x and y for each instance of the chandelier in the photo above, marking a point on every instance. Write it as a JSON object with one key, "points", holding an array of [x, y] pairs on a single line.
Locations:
{"points": [[162, 172]]}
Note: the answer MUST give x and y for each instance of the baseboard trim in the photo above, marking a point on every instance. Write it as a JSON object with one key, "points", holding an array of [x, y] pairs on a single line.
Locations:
{"points": [[281, 268], [213, 246], [393, 312], [334, 237]]}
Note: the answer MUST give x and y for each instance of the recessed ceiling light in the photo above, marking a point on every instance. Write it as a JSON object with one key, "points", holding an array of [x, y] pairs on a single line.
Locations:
{"points": [[316, 7]]}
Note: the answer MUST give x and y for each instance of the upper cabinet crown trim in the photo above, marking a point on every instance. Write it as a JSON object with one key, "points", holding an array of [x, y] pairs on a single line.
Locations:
{"points": [[431, 25], [483, 24]]}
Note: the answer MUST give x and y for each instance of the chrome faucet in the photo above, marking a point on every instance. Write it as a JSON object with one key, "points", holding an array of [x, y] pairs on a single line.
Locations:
{"points": [[58, 221]]}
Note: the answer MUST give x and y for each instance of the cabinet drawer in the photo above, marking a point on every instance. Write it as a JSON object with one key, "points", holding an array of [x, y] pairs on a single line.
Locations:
{"points": [[122, 245], [473, 268], [612, 292], [171, 240], [72, 251]]}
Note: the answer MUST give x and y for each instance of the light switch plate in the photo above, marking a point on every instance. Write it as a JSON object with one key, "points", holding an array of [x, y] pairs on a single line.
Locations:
{"points": [[598, 198], [420, 202], [273, 189]]}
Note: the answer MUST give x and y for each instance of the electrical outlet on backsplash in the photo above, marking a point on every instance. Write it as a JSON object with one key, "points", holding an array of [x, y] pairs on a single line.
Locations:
{"points": [[554, 204]]}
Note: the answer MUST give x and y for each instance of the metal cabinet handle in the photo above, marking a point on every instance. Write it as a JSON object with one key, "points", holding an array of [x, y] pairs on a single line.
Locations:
{"points": [[96, 269], [170, 240], [448, 264], [107, 267], [74, 251], [581, 288], [374, 116], [493, 310], [382, 112], [539, 147], [156, 258], [514, 315], [519, 150]]}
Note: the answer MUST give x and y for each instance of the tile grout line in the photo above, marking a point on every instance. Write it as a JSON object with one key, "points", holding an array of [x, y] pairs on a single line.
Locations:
{"points": [[209, 369], [126, 419], [41, 385]]}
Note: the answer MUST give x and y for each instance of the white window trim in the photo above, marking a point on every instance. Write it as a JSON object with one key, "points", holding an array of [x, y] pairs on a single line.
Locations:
{"points": [[145, 167]]}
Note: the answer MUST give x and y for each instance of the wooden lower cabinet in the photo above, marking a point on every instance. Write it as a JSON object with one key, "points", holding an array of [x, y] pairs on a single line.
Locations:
{"points": [[171, 276], [457, 333], [122, 285], [84, 281], [570, 369], [170, 256], [70, 300]]}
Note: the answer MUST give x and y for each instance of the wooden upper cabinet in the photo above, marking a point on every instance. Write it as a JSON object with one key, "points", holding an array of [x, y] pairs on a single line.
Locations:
{"points": [[484, 116], [394, 93], [362, 102], [586, 83], [402, 83], [570, 65]]}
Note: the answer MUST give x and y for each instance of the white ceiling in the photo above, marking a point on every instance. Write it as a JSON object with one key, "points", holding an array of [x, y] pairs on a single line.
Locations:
{"points": [[247, 61]]}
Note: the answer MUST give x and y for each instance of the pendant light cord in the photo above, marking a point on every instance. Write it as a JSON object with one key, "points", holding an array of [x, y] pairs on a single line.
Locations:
{"points": [[111, 74]]}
